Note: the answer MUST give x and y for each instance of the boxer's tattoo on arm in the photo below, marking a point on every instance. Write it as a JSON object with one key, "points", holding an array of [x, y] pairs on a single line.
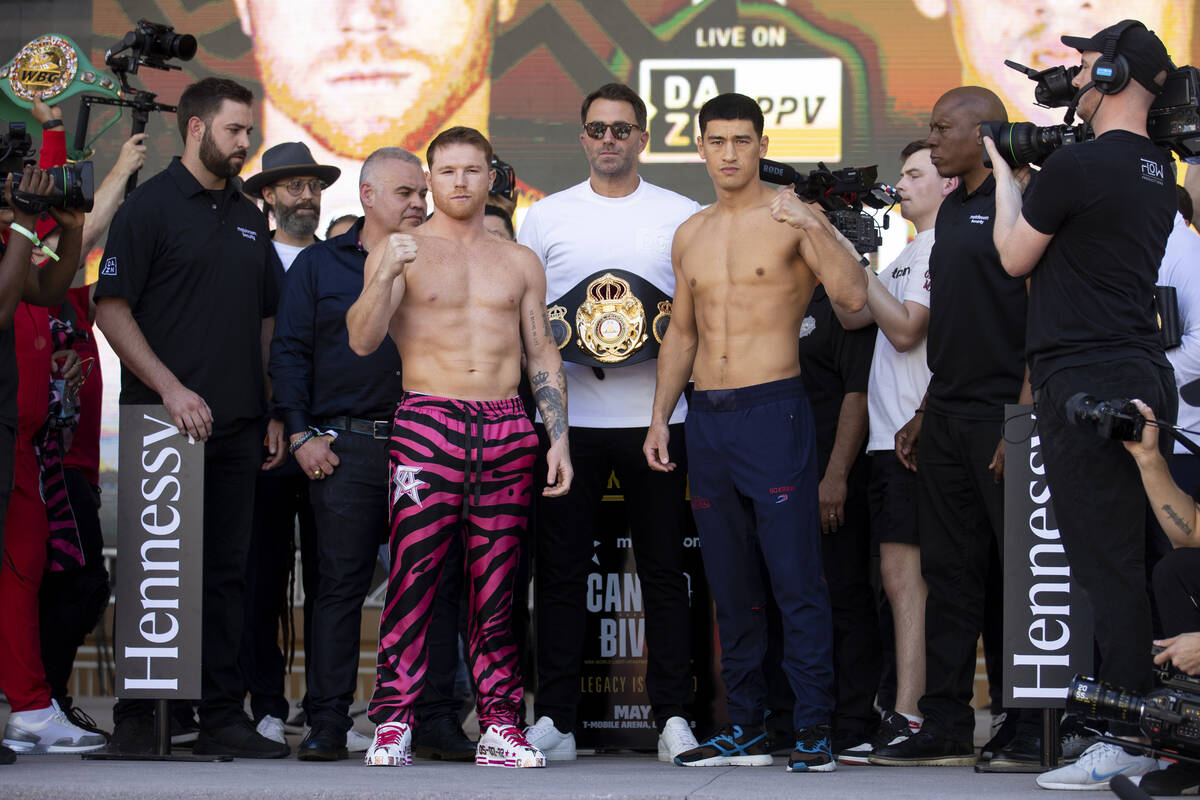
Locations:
{"points": [[1178, 520], [546, 326], [551, 399], [533, 328]]}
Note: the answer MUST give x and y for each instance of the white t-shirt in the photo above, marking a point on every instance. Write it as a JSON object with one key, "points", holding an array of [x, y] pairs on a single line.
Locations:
{"points": [[898, 380], [577, 232], [1181, 268], [287, 253]]}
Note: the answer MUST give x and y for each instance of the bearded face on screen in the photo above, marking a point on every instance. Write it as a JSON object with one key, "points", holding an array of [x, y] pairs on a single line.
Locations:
{"points": [[363, 74]]}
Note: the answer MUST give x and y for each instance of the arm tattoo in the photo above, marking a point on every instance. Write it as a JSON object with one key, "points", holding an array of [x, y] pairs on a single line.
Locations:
{"points": [[552, 402], [1178, 520], [546, 326], [533, 328]]}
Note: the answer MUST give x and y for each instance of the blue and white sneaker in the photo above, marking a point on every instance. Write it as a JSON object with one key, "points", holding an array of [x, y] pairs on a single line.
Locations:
{"points": [[812, 753], [1098, 765], [732, 746]]}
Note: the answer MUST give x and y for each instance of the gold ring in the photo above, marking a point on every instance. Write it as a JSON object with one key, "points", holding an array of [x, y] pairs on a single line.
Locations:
{"points": [[317, 473]]}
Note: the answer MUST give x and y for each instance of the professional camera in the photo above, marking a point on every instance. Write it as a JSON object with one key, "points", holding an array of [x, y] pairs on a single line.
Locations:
{"points": [[1173, 122], [505, 183], [1116, 419], [73, 183], [841, 194], [150, 44], [1169, 715]]}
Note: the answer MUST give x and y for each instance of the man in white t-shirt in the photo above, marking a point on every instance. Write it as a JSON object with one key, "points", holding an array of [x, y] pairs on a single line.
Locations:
{"points": [[290, 184], [612, 221], [1180, 268], [898, 301]]}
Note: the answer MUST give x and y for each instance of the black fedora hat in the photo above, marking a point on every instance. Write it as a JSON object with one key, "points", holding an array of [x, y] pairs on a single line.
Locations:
{"points": [[285, 161]]}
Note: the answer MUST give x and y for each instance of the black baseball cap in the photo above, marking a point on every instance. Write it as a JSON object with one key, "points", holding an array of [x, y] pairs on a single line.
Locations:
{"points": [[1145, 52]]}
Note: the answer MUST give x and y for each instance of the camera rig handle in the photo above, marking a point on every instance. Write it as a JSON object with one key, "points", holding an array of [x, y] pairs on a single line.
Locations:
{"points": [[141, 102]]}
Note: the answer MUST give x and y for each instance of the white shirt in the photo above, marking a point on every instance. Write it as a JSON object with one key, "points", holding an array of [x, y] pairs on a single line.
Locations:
{"points": [[898, 380], [1181, 268], [577, 232], [287, 253]]}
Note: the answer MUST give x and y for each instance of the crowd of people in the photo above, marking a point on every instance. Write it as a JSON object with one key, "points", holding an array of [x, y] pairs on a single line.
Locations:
{"points": [[397, 390]]}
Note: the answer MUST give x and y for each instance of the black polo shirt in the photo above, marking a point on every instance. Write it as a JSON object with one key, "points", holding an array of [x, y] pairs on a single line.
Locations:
{"points": [[1109, 204], [976, 312], [833, 363], [314, 373], [198, 269]]}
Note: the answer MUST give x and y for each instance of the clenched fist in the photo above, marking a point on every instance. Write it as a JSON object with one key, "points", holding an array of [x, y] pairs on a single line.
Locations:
{"points": [[788, 207], [401, 249]]}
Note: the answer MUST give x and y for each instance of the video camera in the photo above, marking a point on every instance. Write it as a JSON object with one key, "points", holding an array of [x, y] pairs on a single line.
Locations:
{"points": [[1173, 122], [1116, 419], [841, 194], [505, 183], [150, 44], [1169, 714], [73, 183]]}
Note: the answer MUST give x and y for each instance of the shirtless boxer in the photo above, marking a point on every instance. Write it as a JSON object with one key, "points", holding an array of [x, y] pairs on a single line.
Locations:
{"points": [[745, 268], [460, 303]]}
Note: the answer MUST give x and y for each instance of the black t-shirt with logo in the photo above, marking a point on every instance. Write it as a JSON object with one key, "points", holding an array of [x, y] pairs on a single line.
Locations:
{"points": [[976, 312], [1110, 204], [199, 272]]}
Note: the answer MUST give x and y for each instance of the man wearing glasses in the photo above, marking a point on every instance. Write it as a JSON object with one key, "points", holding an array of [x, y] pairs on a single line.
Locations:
{"points": [[613, 223]]}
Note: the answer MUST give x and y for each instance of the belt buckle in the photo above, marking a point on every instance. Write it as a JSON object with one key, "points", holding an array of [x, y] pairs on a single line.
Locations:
{"points": [[387, 431]]}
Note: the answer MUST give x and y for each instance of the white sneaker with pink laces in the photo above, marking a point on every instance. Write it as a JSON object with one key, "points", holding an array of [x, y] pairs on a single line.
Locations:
{"points": [[506, 746], [392, 746]]}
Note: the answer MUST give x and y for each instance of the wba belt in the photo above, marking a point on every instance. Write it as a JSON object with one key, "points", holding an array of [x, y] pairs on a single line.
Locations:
{"points": [[612, 318]]}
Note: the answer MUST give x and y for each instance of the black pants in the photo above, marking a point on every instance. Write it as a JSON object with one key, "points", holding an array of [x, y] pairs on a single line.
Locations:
{"points": [[1102, 509], [962, 521], [565, 531], [1177, 588], [280, 500], [71, 602], [231, 465], [351, 512]]}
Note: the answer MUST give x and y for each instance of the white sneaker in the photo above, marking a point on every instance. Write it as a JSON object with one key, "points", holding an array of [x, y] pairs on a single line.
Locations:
{"points": [[47, 730], [676, 738], [357, 742], [391, 747], [1098, 765], [271, 728], [554, 744], [506, 746]]}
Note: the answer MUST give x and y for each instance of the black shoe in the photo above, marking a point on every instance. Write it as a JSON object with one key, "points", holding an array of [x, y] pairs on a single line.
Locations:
{"points": [[184, 728], [812, 753], [7, 756], [239, 740], [80, 718], [892, 728], [296, 723], [133, 735], [1023, 753], [1175, 780], [1000, 739], [924, 749], [442, 739], [324, 742], [732, 746]]}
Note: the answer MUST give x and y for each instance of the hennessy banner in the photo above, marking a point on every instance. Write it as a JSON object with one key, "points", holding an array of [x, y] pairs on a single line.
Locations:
{"points": [[1047, 617], [160, 543]]}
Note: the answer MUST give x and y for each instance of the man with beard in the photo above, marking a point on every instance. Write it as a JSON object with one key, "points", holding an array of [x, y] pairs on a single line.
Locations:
{"points": [[290, 184], [377, 69], [462, 449], [186, 297]]}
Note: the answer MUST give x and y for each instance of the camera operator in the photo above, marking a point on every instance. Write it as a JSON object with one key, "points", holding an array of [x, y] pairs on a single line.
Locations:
{"points": [[1092, 232]]}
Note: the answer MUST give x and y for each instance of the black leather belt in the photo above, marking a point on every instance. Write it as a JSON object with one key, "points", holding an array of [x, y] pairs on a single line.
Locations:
{"points": [[376, 429]]}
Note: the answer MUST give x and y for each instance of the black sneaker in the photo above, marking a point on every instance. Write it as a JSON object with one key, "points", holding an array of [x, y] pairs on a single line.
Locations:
{"points": [[7, 756], [1177, 779], [1023, 753], [323, 742], [924, 749], [184, 728], [80, 718], [1003, 735], [733, 745], [133, 735], [1075, 736], [239, 740], [442, 739], [812, 753], [892, 729]]}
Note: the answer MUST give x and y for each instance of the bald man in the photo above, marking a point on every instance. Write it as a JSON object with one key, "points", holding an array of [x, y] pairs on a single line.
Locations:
{"points": [[976, 351]]}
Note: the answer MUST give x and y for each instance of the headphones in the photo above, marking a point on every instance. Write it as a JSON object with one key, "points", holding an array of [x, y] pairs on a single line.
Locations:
{"points": [[1110, 72]]}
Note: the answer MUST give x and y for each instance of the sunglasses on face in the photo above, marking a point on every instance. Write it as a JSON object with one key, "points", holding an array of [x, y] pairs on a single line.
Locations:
{"points": [[295, 187], [620, 130]]}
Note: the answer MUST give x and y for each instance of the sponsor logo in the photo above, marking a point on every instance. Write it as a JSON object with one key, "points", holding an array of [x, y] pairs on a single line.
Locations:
{"points": [[900, 272], [1152, 171], [780, 498], [980, 219], [405, 482], [782, 489], [699, 503], [248, 234], [807, 326], [110, 266]]}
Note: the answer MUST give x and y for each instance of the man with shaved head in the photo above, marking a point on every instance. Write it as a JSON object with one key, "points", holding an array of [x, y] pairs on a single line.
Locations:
{"points": [[976, 351]]}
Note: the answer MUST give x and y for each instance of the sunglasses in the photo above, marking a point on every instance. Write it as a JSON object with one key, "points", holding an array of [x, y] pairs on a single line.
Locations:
{"points": [[295, 186], [620, 130]]}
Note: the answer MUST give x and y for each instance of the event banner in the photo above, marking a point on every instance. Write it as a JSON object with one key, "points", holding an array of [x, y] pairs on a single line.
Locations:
{"points": [[160, 513], [1047, 617], [614, 709]]}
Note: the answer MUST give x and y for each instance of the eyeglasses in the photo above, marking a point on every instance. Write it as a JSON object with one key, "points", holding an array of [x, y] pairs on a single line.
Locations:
{"points": [[620, 130], [295, 186]]}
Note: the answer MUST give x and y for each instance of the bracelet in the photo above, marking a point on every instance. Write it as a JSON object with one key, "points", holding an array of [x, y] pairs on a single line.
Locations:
{"points": [[52, 123], [296, 444], [31, 236]]}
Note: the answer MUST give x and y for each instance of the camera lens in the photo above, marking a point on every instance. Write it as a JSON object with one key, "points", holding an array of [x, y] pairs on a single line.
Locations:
{"points": [[1101, 700]]}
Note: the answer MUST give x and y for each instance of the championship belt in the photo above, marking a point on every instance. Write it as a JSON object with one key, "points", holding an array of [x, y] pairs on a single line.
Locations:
{"points": [[612, 318]]}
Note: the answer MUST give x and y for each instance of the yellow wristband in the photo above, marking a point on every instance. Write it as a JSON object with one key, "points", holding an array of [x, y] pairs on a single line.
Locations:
{"points": [[31, 236]]}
